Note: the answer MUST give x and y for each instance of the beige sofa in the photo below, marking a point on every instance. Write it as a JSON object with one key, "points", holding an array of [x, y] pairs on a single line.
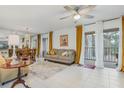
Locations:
{"points": [[59, 58], [7, 75]]}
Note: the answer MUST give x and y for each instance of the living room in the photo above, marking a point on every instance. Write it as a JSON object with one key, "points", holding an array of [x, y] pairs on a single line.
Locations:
{"points": [[63, 50]]}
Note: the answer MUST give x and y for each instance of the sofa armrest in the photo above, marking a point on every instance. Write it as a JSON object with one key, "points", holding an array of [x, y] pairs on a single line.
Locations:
{"points": [[72, 56], [9, 74]]}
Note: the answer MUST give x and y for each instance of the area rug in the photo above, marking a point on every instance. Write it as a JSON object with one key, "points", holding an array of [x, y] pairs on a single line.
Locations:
{"points": [[89, 66], [45, 70]]}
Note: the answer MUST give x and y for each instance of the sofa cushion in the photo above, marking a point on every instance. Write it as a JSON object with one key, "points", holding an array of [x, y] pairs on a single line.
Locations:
{"points": [[64, 58], [62, 55], [51, 56], [65, 54]]}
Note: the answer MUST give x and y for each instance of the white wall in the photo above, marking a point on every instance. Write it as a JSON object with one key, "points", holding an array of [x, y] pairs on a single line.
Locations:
{"points": [[112, 24], [107, 25], [71, 32], [90, 28]]}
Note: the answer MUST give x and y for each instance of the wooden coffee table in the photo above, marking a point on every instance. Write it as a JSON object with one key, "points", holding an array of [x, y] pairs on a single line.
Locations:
{"points": [[19, 66]]}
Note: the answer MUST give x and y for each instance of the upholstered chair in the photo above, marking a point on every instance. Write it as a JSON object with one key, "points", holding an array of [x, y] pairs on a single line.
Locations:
{"points": [[7, 75]]}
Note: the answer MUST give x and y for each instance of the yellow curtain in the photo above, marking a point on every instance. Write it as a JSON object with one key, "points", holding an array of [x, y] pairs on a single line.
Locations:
{"points": [[50, 41], [78, 42], [122, 69], [38, 44]]}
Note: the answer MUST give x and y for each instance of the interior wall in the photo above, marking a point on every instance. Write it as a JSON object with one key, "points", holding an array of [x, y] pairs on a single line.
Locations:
{"points": [[71, 32], [90, 28], [112, 24], [106, 25]]}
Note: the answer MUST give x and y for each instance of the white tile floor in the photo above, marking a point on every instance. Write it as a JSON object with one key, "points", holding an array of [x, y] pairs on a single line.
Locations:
{"points": [[75, 76]]}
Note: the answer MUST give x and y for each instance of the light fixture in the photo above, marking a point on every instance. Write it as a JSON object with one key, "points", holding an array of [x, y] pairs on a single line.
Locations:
{"points": [[77, 17], [13, 40]]}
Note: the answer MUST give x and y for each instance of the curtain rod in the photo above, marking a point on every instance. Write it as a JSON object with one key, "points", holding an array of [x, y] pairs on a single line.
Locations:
{"points": [[111, 19]]}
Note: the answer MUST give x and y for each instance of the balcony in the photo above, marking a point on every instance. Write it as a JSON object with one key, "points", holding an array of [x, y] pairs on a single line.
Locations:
{"points": [[110, 56]]}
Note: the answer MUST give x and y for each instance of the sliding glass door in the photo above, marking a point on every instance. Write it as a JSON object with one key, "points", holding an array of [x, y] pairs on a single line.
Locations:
{"points": [[111, 44], [90, 48]]}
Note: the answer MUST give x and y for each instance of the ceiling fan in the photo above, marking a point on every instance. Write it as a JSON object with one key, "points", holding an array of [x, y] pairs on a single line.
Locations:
{"points": [[78, 11]]}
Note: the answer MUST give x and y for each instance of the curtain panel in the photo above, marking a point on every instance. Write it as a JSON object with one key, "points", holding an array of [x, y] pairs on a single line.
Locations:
{"points": [[38, 44], [122, 69], [50, 41], [78, 42]]}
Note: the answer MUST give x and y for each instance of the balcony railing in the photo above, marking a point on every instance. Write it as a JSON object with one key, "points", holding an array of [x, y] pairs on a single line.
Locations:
{"points": [[90, 53], [110, 54]]}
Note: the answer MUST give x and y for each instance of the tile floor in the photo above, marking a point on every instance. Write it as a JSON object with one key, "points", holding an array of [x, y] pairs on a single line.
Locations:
{"points": [[77, 77]]}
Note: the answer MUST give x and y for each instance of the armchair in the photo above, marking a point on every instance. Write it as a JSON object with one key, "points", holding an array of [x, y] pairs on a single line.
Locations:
{"points": [[7, 75]]}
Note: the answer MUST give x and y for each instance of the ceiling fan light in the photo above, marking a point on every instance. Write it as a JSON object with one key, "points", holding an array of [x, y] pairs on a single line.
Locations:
{"points": [[76, 17]]}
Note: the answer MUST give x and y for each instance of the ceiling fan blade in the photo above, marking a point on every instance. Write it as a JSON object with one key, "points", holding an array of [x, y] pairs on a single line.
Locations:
{"points": [[81, 7], [88, 16], [70, 9], [86, 10], [65, 17]]}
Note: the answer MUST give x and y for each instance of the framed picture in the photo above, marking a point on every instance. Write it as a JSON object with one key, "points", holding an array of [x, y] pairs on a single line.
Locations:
{"points": [[63, 40]]}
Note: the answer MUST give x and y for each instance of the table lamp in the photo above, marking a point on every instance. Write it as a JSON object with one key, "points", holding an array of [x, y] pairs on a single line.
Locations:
{"points": [[13, 40]]}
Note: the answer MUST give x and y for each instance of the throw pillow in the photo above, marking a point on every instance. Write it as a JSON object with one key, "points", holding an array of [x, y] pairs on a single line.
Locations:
{"points": [[65, 53], [52, 52], [48, 53], [2, 60]]}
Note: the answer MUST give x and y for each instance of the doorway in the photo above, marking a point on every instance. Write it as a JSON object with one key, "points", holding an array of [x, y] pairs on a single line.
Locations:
{"points": [[111, 46], [90, 56], [45, 44]]}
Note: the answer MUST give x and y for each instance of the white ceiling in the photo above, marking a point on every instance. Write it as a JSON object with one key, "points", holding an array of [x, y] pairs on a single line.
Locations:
{"points": [[45, 18]]}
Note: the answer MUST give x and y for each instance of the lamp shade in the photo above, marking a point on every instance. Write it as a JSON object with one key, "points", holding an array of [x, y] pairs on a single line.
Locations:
{"points": [[13, 40]]}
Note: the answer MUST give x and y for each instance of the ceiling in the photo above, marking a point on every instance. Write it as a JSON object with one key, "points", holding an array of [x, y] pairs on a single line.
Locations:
{"points": [[23, 19]]}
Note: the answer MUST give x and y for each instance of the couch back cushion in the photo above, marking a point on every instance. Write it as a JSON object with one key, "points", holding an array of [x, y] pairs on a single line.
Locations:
{"points": [[71, 52]]}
